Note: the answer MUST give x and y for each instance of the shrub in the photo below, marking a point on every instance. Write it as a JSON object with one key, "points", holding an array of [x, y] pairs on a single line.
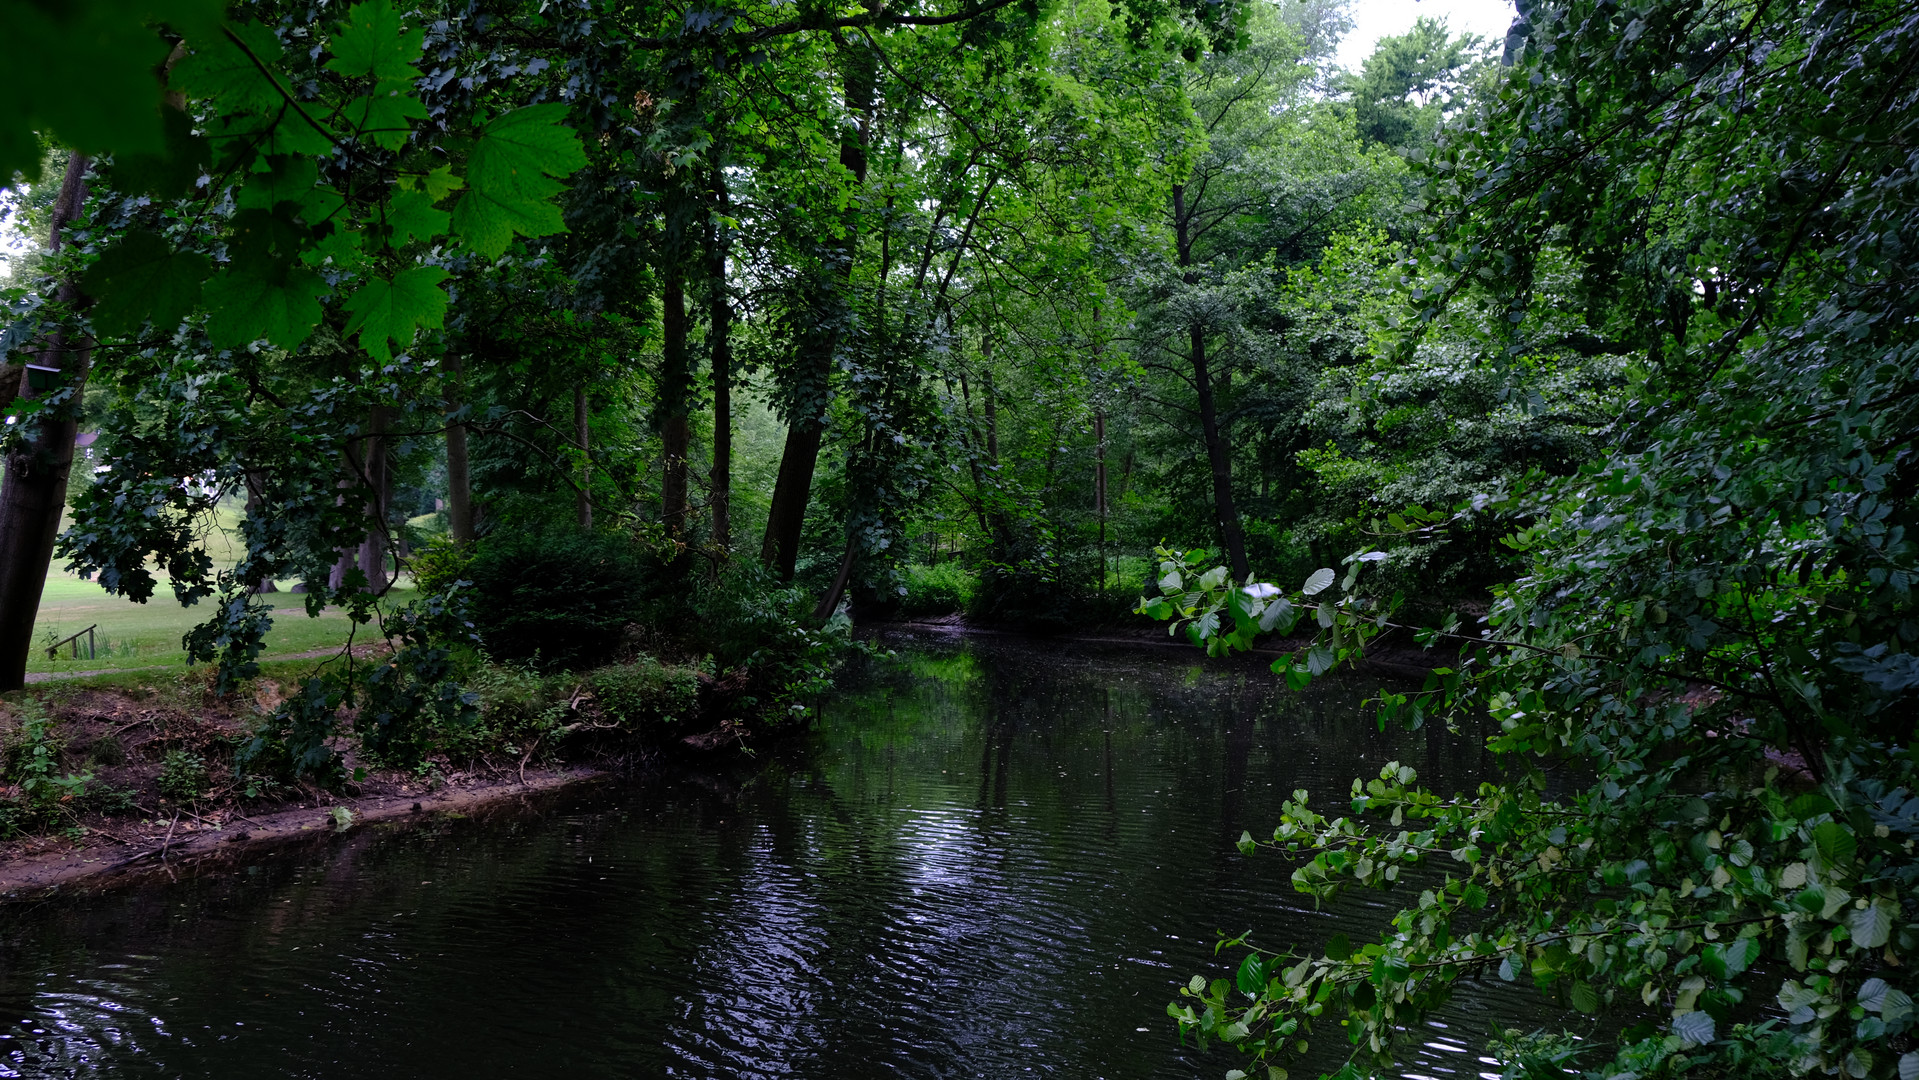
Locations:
{"points": [[646, 693], [943, 589], [515, 705], [183, 776], [32, 764], [557, 601], [440, 562], [748, 620], [294, 742]]}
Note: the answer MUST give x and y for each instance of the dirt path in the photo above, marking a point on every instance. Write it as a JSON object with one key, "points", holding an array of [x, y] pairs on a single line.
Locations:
{"points": [[137, 851]]}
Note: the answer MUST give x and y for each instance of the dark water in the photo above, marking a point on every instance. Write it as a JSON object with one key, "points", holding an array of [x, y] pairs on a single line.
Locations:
{"points": [[995, 860]]}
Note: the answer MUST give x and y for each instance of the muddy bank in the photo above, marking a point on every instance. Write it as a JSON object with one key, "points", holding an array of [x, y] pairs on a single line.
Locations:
{"points": [[182, 843]]}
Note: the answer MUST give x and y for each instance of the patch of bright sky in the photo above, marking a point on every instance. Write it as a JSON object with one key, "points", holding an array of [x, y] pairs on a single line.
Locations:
{"points": [[1375, 19]]}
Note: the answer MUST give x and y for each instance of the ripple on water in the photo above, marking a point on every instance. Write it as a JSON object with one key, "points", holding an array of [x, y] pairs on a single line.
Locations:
{"points": [[987, 864]]}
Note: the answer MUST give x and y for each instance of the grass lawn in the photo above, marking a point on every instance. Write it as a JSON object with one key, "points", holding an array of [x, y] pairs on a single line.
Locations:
{"points": [[144, 635]]}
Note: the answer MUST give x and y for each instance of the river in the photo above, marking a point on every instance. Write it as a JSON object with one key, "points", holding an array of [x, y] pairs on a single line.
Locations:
{"points": [[995, 858]]}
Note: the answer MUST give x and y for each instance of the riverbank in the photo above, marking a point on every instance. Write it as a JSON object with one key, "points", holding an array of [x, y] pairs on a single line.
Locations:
{"points": [[183, 843], [1386, 656], [125, 731], [136, 773]]}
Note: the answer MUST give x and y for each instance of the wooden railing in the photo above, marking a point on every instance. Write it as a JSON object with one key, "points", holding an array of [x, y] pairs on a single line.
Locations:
{"points": [[75, 639]]}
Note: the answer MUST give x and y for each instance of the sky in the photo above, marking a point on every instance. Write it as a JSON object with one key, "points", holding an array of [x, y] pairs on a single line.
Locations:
{"points": [[1375, 19]]}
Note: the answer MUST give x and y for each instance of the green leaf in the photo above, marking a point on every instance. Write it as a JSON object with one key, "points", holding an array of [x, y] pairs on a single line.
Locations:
{"points": [[1318, 581], [373, 42], [245, 306], [381, 117], [410, 216], [1693, 1028], [1584, 998], [393, 310], [438, 183], [1391, 969], [1871, 926], [1835, 844], [1909, 1065], [1251, 978], [293, 132], [1338, 947], [1896, 1008], [226, 68], [142, 278], [1723, 961], [171, 173], [1278, 613], [509, 189], [84, 74]]}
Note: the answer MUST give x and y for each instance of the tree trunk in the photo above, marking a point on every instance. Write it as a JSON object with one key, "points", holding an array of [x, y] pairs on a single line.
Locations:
{"points": [[373, 549], [676, 379], [1219, 457], [33, 493], [1099, 489], [719, 330], [583, 433], [1225, 513], [459, 480], [255, 480], [787, 516]]}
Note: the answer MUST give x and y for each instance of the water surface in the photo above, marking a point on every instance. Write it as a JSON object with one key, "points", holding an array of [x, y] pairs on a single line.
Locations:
{"points": [[994, 859]]}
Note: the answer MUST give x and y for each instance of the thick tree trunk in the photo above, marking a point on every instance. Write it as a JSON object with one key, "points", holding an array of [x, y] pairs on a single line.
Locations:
{"points": [[583, 434], [459, 479], [1218, 455], [34, 491], [794, 487], [787, 516], [719, 337]]}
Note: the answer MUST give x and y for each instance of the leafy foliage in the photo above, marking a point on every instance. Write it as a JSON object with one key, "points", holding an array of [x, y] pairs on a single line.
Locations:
{"points": [[1711, 618], [557, 600]]}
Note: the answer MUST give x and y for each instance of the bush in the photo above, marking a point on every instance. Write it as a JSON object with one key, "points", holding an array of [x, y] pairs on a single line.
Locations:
{"points": [[516, 706], [646, 693], [748, 621], [183, 776], [557, 601], [943, 589], [440, 562], [32, 765]]}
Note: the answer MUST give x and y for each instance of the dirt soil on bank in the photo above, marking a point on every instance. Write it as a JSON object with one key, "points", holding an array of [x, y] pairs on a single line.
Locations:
{"points": [[126, 828], [117, 852]]}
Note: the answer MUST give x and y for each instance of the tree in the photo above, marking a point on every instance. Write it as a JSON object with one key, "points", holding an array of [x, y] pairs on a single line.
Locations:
{"points": [[1714, 617]]}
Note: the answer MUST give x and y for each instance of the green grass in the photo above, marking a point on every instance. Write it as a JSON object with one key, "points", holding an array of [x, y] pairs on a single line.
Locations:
{"points": [[145, 635]]}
